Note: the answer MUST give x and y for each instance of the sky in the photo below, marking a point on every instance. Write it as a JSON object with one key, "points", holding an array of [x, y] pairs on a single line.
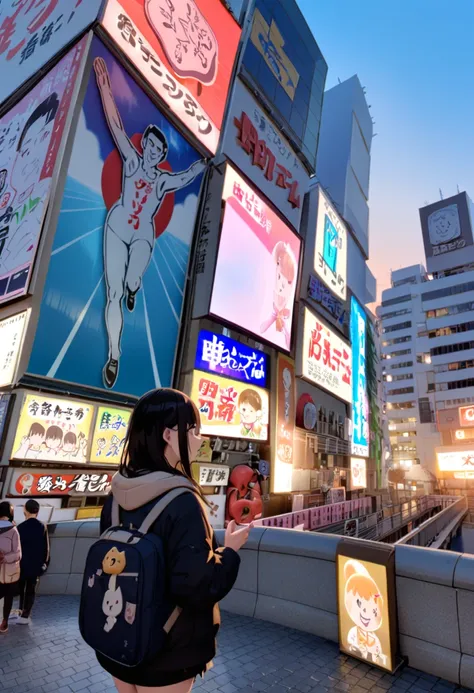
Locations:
{"points": [[416, 60]]}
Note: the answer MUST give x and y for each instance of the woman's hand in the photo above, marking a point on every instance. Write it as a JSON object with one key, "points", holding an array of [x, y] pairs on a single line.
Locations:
{"points": [[236, 537]]}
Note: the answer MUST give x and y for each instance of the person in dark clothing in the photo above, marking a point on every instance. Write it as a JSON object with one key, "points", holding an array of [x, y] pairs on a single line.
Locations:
{"points": [[163, 438], [35, 557]]}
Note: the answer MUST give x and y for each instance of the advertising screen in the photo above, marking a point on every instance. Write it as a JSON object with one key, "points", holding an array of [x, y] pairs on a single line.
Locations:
{"points": [[217, 353], [12, 330], [230, 409], [318, 292], [364, 616], [330, 253], [113, 296], [257, 266], [109, 435], [360, 399], [326, 360], [186, 50], [455, 460], [53, 430], [282, 61], [30, 138], [60, 483], [32, 32], [282, 467], [258, 148], [358, 473], [466, 416], [447, 232]]}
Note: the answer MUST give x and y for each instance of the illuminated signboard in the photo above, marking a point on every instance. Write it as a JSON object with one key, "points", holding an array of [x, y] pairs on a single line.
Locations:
{"points": [[60, 483], [186, 50], [318, 292], [330, 253], [258, 148], [217, 353], [358, 473], [230, 409], [326, 360], [466, 416], [211, 475], [360, 399], [109, 435], [455, 460], [282, 467], [366, 600], [53, 430], [257, 266], [12, 330]]}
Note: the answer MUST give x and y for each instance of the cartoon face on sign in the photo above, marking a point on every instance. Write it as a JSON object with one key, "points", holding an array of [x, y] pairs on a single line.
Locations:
{"points": [[186, 38], [444, 225]]}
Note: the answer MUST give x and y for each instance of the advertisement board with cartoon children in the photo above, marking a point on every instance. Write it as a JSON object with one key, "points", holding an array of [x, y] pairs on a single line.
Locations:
{"points": [[110, 431], [364, 618], [53, 430], [230, 408]]}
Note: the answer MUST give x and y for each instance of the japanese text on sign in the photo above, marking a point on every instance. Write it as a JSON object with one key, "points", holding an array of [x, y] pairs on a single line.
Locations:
{"points": [[37, 484], [252, 203], [11, 337], [449, 247], [330, 253], [110, 433], [213, 476], [223, 355], [319, 293]]}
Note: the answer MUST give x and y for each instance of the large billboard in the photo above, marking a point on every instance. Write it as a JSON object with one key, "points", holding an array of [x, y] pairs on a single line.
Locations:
{"points": [[284, 430], [447, 232], [186, 50], [112, 301], [360, 399], [30, 139], [283, 63], [12, 331], [219, 354], [325, 359], [257, 147], [34, 31], [257, 266], [330, 253]]}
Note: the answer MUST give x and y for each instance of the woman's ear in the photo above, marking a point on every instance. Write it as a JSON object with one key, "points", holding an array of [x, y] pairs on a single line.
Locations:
{"points": [[167, 435]]}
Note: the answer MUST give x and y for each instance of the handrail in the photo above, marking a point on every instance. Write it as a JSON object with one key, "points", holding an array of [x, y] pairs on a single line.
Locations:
{"points": [[428, 532]]}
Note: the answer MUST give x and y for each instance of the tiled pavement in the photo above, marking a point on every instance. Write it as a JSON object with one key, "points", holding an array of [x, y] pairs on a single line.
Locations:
{"points": [[254, 657]]}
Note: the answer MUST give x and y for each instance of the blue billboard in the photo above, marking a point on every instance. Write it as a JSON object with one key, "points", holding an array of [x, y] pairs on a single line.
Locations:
{"points": [[217, 353], [112, 301], [360, 400]]}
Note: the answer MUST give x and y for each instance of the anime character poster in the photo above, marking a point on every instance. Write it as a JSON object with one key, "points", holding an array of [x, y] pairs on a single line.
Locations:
{"points": [[53, 430], [34, 31], [230, 408], [116, 278], [109, 435], [257, 266], [30, 138], [364, 620]]}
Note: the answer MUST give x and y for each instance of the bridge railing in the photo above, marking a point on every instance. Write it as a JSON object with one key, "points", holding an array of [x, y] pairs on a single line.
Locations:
{"points": [[437, 530]]}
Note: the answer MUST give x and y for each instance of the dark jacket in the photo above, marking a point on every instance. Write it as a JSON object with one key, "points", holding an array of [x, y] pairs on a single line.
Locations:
{"points": [[34, 547], [198, 578]]}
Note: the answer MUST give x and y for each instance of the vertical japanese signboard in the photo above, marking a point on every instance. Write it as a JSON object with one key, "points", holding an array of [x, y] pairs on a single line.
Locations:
{"points": [[330, 254], [186, 50], [12, 330], [34, 31], [282, 468], [360, 399], [326, 359], [30, 138]]}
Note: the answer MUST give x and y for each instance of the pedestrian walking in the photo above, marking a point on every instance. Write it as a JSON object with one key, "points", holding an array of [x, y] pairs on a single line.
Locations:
{"points": [[35, 557], [157, 503], [10, 556]]}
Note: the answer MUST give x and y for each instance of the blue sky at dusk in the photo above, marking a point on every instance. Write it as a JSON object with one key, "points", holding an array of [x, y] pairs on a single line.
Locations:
{"points": [[416, 60]]}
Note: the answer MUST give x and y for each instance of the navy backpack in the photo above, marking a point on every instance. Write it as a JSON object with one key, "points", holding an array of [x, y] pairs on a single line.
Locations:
{"points": [[124, 612]]}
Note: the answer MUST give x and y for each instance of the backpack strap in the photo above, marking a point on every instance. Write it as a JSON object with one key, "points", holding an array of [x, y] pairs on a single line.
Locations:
{"points": [[115, 513], [158, 508]]}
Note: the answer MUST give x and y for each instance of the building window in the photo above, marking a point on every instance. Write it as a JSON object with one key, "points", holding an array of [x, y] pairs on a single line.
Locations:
{"points": [[457, 366], [394, 301], [451, 310], [451, 348], [455, 385], [397, 340], [401, 282], [424, 406], [399, 326], [401, 391], [404, 364], [448, 291], [454, 329], [395, 314], [401, 405]]}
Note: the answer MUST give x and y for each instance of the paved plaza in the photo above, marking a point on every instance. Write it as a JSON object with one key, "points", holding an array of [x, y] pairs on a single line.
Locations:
{"points": [[254, 657]]}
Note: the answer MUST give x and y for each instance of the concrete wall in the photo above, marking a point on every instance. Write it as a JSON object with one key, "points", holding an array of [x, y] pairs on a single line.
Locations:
{"points": [[289, 577]]}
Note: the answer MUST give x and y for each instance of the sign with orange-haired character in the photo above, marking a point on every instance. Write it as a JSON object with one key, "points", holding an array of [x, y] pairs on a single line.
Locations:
{"points": [[186, 50], [366, 603]]}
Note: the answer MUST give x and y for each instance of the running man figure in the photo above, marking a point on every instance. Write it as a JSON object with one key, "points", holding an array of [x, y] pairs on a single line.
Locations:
{"points": [[129, 232]]}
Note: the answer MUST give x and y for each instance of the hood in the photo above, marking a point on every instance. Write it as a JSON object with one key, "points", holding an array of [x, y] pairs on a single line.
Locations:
{"points": [[5, 526], [133, 493]]}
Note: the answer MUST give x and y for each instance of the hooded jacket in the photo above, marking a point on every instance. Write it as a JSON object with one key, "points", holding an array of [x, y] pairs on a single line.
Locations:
{"points": [[34, 547], [10, 553], [199, 574]]}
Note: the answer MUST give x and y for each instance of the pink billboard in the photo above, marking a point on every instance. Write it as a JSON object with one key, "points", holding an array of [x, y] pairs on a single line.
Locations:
{"points": [[257, 266]]}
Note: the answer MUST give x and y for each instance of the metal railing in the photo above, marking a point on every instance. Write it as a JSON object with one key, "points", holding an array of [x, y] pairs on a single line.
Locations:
{"points": [[437, 531]]}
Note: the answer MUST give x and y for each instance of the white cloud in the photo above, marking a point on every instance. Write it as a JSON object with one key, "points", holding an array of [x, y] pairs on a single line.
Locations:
{"points": [[183, 220], [86, 162]]}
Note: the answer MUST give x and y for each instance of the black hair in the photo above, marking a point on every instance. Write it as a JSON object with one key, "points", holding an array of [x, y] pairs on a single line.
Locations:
{"points": [[159, 134], [144, 449], [6, 510], [48, 107], [32, 507]]}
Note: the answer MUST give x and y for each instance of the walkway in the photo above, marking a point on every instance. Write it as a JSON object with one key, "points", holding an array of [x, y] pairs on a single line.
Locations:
{"points": [[255, 657]]}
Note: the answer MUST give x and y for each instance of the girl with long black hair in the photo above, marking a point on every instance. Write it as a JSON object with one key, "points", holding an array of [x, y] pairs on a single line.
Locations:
{"points": [[162, 441]]}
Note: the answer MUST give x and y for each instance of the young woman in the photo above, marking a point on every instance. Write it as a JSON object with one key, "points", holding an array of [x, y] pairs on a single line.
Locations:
{"points": [[10, 556], [162, 440]]}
